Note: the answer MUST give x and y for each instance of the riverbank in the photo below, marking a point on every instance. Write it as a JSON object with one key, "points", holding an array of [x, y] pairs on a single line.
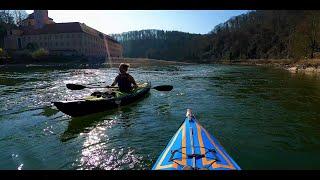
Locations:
{"points": [[113, 62], [137, 62], [294, 66]]}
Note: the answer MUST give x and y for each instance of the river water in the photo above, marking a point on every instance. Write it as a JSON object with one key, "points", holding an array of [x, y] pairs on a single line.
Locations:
{"points": [[265, 118]]}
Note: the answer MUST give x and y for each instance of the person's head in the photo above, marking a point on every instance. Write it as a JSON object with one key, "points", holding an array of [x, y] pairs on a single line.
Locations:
{"points": [[123, 68]]}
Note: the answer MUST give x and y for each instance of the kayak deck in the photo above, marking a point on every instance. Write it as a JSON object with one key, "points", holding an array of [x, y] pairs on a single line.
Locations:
{"points": [[192, 147], [92, 104]]}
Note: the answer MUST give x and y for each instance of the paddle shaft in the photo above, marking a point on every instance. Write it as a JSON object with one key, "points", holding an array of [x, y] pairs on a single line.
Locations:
{"points": [[91, 87], [80, 87], [156, 87]]}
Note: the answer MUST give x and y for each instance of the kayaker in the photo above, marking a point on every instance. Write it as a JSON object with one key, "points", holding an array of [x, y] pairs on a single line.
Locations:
{"points": [[125, 81]]}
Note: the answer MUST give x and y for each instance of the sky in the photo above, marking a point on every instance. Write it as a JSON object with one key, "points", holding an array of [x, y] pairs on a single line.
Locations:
{"points": [[118, 21]]}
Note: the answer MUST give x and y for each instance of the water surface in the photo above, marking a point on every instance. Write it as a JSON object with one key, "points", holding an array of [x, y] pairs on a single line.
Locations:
{"points": [[265, 118]]}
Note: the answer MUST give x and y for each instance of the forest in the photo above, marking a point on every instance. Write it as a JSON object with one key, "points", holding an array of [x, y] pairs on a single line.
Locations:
{"points": [[261, 34], [159, 44]]}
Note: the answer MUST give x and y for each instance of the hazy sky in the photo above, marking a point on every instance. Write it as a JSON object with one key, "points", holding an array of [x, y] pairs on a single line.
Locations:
{"points": [[117, 21]]}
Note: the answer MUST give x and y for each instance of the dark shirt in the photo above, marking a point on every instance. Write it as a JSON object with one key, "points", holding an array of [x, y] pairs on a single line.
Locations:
{"points": [[125, 82]]}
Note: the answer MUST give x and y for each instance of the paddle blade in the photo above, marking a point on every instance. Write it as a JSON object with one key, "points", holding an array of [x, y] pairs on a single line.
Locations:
{"points": [[75, 86], [163, 88]]}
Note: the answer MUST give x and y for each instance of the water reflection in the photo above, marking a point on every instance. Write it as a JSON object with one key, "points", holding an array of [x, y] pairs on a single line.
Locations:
{"points": [[83, 124], [49, 111]]}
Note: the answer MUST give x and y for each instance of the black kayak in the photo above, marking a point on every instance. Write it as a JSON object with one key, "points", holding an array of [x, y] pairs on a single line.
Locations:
{"points": [[94, 104]]}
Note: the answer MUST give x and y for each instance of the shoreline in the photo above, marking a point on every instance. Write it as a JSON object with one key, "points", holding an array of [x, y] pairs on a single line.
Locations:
{"points": [[308, 66], [134, 62]]}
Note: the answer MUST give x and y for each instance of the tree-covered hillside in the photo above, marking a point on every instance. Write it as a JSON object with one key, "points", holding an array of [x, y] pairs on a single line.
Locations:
{"points": [[262, 34], [159, 44]]}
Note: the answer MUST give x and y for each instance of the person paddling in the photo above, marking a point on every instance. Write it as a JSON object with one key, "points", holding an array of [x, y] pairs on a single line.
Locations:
{"points": [[125, 81]]}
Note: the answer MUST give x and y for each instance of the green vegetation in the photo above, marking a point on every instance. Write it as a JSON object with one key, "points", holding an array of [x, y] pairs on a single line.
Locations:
{"points": [[32, 46], [39, 53], [262, 34], [2, 52]]}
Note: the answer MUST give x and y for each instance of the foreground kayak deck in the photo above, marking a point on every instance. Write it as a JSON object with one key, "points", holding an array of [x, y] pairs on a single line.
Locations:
{"points": [[193, 148], [94, 105]]}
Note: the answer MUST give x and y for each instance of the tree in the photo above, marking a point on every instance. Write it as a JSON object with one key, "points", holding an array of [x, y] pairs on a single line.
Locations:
{"points": [[313, 32], [3, 33], [6, 17], [12, 17], [32, 47], [19, 15]]}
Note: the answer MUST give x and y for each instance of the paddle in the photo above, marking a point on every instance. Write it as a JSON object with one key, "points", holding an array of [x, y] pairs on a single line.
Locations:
{"points": [[79, 87], [163, 88]]}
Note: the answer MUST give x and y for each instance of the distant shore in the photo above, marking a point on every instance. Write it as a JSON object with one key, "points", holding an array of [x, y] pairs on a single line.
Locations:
{"points": [[135, 62], [294, 66], [113, 62], [309, 66]]}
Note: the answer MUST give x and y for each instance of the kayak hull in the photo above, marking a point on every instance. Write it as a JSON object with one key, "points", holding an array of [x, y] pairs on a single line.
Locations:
{"points": [[85, 107], [192, 147]]}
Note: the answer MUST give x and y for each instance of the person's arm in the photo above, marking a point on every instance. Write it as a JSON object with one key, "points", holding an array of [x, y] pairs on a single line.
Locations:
{"points": [[133, 81], [115, 81]]}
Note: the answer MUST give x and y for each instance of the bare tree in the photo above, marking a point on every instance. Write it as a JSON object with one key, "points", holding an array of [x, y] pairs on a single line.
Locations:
{"points": [[19, 15]]}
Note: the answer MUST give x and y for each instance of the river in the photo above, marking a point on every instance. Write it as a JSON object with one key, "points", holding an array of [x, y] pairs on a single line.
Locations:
{"points": [[265, 118]]}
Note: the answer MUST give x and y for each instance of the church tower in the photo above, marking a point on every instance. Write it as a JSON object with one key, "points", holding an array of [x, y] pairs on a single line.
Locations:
{"points": [[41, 18]]}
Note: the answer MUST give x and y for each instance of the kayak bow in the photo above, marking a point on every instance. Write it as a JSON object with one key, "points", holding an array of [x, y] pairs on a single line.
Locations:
{"points": [[193, 148]]}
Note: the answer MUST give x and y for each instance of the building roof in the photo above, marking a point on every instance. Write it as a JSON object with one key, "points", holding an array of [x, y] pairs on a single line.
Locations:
{"points": [[31, 16], [71, 27]]}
